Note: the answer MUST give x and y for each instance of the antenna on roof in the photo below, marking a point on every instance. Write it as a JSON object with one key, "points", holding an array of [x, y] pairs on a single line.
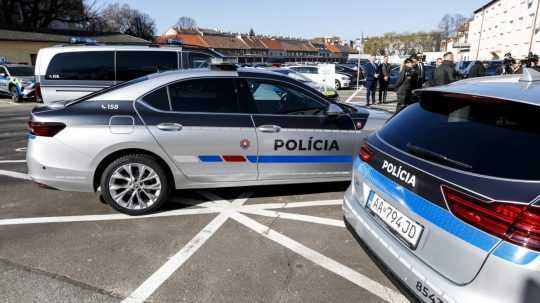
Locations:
{"points": [[530, 75]]}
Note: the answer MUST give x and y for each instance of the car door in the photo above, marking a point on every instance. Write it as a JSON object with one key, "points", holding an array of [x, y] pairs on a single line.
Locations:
{"points": [[200, 125], [297, 139], [4, 80]]}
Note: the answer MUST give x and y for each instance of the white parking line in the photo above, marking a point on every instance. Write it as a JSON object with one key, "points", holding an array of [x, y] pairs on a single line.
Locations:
{"points": [[14, 174], [297, 217], [108, 217], [295, 204], [12, 161], [354, 94], [151, 284], [355, 277]]}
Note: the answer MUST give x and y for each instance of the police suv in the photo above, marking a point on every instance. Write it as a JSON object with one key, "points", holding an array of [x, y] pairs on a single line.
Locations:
{"points": [[196, 128], [447, 194]]}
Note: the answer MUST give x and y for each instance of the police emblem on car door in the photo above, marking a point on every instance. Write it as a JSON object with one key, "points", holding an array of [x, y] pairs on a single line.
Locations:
{"points": [[297, 138]]}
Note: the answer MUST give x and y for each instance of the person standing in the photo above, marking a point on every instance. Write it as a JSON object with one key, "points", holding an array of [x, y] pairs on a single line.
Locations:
{"points": [[477, 70], [371, 80], [408, 78], [446, 72], [418, 62], [384, 77], [438, 62]]}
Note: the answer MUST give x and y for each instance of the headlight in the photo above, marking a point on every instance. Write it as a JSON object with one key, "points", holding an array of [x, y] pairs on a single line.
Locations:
{"points": [[344, 78]]}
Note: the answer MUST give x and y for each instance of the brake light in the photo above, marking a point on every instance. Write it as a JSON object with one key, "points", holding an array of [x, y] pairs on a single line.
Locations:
{"points": [[366, 153], [45, 129], [515, 223]]}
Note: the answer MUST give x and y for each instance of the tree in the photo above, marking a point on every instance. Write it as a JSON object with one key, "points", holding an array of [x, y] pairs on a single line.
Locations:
{"points": [[122, 19], [41, 13], [450, 25], [186, 23], [251, 32]]}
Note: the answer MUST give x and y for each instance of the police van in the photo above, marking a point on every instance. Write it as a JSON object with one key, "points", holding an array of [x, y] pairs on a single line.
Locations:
{"points": [[70, 72]]}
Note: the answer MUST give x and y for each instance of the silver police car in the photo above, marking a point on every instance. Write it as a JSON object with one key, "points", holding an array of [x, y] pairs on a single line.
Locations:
{"points": [[218, 127], [447, 193]]}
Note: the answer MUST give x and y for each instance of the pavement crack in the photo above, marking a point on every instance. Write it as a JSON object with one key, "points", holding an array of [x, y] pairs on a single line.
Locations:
{"points": [[61, 278]]}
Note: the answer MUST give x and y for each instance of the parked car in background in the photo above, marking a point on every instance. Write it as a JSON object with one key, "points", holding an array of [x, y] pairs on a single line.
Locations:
{"points": [[493, 67], [463, 67], [352, 73], [429, 70], [328, 92], [17, 81], [312, 72], [70, 72]]}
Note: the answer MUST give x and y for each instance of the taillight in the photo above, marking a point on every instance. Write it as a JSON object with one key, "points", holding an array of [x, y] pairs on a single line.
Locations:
{"points": [[45, 129], [366, 153], [515, 223]]}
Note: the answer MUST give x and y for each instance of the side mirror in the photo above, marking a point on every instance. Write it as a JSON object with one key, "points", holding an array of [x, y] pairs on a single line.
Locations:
{"points": [[334, 110]]}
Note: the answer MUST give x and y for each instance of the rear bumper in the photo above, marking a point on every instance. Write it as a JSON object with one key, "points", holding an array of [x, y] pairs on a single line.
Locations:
{"points": [[53, 164], [498, 281]]}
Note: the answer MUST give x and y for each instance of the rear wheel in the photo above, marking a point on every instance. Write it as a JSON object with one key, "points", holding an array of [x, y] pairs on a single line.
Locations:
{"points": [[338, 84], [135, 184], [14, 94]]}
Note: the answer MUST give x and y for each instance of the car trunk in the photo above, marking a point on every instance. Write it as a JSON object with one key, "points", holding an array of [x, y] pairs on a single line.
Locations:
{"points": [[479, 149]]}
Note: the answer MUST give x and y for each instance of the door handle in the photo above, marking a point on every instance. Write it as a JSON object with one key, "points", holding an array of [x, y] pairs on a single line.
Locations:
{"points": [[170, 127], [269, 128]]}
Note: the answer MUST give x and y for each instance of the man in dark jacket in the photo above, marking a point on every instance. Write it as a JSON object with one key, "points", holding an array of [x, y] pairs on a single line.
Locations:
{"points": [[477, 70], [372, 74], [446, 72], [384, 77], [408, 79]]}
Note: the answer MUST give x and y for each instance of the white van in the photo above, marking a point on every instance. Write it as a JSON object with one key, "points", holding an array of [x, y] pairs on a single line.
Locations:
{"points": [[70, 72]]}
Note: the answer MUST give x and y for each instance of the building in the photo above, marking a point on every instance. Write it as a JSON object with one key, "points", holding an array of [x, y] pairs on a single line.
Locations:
{"points": [[459, 45], [20, 46], [251, 49], [502, 26]]}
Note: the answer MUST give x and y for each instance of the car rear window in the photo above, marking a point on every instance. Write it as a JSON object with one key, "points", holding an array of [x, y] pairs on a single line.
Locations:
{"points": [[485, 136], [98, 66]]}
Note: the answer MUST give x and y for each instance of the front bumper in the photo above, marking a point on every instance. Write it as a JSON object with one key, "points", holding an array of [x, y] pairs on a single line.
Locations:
{"points": [[498, 280]]}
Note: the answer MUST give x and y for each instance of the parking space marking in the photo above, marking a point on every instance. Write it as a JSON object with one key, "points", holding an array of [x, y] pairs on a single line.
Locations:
{"points": [[148, 287], [14, 174], [355, 277], [108, 217], [296, 217], [295, 204], [354, 94], [12, 161], [233, 210]]}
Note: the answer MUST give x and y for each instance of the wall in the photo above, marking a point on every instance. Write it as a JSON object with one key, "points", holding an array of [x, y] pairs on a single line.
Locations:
{"points": [[20, 51]]}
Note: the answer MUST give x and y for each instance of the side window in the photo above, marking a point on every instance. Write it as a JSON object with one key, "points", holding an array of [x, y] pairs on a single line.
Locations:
{"points": [[214, 95], [135, 64], [279, 99], [158, 99], [313, 70], [197, 60], [82, 66]]}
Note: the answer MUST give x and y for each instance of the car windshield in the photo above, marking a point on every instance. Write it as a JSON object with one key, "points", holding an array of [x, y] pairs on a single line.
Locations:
{"points": [[21, 71], [108, 89], [481, 135]]}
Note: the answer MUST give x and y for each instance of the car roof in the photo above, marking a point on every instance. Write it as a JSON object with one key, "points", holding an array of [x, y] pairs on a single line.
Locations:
{"points": [[518, 88], [137, 89]]}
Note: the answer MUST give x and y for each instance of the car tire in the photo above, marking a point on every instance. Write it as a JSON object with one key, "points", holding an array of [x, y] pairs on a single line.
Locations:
{"points": [[14, 94], [338, 85], [135, 184]]}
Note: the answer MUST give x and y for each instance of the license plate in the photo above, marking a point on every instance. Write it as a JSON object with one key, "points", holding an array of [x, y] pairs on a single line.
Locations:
{"points": [[406, 228]]}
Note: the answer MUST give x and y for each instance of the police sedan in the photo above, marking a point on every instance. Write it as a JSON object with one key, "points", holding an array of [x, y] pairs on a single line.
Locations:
{"points": [[217, 127], [447, 194]]}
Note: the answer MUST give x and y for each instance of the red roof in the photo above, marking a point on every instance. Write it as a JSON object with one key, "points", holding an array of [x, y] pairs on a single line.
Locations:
{"points": [[191, 39], [272, 43]]}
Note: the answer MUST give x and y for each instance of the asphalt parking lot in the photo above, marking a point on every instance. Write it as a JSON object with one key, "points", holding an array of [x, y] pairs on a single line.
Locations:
{"points": [[257, 244]]}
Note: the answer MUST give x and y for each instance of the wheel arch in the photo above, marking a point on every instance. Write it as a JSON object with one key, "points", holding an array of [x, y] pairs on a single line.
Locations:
{"points": [[129, 151]]}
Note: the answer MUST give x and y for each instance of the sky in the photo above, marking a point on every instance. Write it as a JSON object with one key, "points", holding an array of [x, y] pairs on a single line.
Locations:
{"points": [[300, 18]]}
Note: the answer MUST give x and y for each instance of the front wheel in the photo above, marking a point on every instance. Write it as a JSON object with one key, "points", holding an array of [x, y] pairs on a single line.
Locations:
{"points": [[338, 84], [14, 94], [135, 185]]}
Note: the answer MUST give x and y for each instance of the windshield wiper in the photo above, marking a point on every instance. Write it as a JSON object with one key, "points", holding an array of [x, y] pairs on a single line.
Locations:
{"points": [[431, 155]]}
